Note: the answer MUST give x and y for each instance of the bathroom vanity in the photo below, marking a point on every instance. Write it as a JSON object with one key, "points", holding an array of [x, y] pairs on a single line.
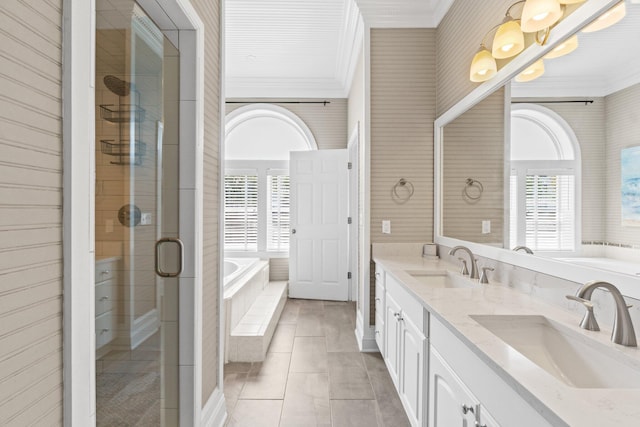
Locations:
{"points": [[462, 353]]}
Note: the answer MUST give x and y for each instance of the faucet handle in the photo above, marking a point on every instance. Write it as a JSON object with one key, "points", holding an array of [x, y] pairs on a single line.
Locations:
{"points": [[483, 277], [589, 320], [465, 270]]}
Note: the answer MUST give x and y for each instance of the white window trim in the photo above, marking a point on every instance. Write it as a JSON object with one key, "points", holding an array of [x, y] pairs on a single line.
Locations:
{"points": [[261, 168]]}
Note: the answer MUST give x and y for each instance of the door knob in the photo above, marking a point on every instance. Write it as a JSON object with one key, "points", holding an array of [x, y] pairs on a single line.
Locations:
{"points": [[293, 231]]}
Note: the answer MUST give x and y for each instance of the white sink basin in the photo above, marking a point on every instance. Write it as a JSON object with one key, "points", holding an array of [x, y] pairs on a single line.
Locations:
{"points": [[567, 355], [442, 279]]}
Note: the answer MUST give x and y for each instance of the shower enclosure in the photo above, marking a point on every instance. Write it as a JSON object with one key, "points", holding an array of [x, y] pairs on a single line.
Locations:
{"points": [[138, 253]]}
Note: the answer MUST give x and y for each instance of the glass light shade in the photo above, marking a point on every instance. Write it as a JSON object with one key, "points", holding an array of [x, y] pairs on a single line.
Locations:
{"points": [[563, 48], [483, 66], [540, 14], [532, 72], [508, 41], [570, 1], [607, 19]]}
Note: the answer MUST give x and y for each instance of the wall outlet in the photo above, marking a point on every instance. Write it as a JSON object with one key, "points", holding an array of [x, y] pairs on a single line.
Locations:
{"points": [[386, 226], [108, 226], [146, 218], [486, 226]]}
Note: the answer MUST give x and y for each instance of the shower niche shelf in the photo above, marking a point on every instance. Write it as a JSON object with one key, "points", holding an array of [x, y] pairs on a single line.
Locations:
{"points": [[128, 153], [122, 113]]}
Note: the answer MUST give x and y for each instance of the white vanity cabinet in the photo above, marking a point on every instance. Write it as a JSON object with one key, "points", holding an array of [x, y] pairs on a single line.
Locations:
{"points": [[405, 348], [106, 292], [459, 380]]}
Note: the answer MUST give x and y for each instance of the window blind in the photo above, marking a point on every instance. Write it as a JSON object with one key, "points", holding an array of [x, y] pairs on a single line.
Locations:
{"points": [[278, 219], [550, 212], [241, 212]]}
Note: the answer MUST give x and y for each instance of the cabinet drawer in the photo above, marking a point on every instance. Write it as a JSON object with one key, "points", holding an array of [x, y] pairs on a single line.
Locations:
{"points": [[105, 328], [105, 270], [408, 303], [105, 295]]}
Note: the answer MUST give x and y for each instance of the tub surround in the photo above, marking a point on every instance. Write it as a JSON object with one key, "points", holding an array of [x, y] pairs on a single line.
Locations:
{"points": [[253, 306], [557, 402]]}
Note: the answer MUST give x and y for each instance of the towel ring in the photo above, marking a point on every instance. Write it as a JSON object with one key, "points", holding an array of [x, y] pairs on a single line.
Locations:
{"points": [[473, 189], [403, 183]]}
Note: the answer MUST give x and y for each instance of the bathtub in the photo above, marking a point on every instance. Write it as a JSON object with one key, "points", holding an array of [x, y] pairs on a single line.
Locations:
{"points": [[610, 264], [234, 270], [244, 280]]}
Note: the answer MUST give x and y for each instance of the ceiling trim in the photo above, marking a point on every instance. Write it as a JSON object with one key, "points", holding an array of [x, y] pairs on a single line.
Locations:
{"points": [[350, 46], [240, 87], [380, 14], [569, 87]]}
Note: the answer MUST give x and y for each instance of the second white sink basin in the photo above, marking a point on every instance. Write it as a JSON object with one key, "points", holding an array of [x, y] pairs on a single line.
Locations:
{"points": [[442, 279], [567, 355]]}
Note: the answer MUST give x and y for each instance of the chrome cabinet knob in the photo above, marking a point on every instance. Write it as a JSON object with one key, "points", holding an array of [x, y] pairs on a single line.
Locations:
{"points": [[293, 231], [466, 409]]}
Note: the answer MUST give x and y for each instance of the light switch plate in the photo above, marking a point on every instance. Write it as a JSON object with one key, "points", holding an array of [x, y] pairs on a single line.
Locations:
{"points": [[486, 226], [146, 218], [386, 226]]}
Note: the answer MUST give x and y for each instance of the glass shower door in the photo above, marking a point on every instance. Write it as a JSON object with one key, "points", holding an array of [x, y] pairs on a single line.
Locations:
{"points": [[136, 219]]}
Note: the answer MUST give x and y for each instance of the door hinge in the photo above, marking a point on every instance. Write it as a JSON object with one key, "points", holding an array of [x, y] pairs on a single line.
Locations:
{"points": [[349, 275], [349, 165], [349, 220]]}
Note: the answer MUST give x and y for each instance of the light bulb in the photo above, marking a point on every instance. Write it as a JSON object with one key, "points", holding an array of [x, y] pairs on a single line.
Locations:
{"points": [[607, 19]]}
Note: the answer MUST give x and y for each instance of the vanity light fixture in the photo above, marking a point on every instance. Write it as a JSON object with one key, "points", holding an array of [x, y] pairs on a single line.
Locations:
{"points": [[538, 15], [483, 66], [532, 72], [571, 1], [564, 48], [607, 19], [509, 39]]}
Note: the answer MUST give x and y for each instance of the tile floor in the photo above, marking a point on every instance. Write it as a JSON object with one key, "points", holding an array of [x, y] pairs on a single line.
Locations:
{"points": [[313, 375]]}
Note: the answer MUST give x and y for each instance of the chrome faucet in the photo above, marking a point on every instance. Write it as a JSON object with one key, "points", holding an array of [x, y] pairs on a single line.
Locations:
{"points": [[523, 248], [472, 260], [623, 332]]}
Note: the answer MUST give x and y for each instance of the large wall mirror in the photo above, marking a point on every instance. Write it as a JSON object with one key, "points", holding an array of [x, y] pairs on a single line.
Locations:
{"points": [[552, 165]]}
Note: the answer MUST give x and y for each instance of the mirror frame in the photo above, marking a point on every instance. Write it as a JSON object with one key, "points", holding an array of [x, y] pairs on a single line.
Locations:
{"points": [[628, 285]]}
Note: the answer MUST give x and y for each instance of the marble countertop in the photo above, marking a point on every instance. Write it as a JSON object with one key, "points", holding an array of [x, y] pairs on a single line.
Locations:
{"points": [[552, 398]]}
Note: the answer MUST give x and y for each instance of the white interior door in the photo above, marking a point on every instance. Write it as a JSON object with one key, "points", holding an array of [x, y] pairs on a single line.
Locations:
{"points": [[318, 254]]}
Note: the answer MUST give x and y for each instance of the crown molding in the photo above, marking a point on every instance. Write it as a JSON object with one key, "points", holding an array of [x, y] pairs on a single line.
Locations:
{"points": [[243, 87], [408, 14], [349, 46]]}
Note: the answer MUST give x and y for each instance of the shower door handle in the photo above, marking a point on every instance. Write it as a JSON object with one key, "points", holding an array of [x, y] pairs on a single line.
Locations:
{"points": [[175, 241]]}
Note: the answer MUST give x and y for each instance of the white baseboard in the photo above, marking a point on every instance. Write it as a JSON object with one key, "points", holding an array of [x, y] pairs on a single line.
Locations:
{"points": [[143, 327], [214, 413], [366, 338]]}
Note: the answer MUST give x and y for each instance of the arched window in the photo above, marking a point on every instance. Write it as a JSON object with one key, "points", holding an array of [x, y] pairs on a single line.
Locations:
{"points": [[545, 181], [259, 138]]}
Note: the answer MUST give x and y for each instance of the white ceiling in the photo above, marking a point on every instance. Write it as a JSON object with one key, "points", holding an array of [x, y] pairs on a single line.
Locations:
{"points": [[307, 48], [605, 62]]}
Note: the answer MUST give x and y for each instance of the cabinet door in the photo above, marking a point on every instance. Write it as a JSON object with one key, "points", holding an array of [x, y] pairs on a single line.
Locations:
{"points": [[392, 338], [450, 404], [486, 420], [379, 331], [412, 353]]}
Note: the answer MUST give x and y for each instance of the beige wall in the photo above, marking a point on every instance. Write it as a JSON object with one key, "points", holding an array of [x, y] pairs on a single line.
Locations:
{"points": [[474, 148], [458, 38], [403, 65], [328, 123], [31, 213], [209, 12], [623, 128]]}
